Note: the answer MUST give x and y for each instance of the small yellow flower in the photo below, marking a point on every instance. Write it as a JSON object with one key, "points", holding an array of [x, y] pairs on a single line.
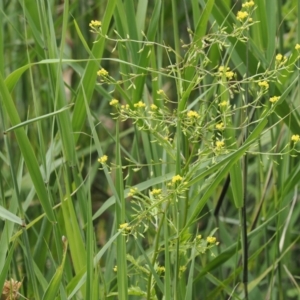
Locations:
{"points": [[295, 138], [102, 72], [95, 23], [132, 192], [114, 102], [124, 107], [125, 226], [223, 103], [297, 47], [192, 114], [220, 126], [155, 192], [161, 269], [263, 84], [229, 75], [219, 145], [153, 107], [274, 99], [160, 92], [103, 159], [248, 4], [199, 237], [222, 69], [176, 178], [279, 57], [140, 104], [115, 268], [241, 15], [211, 239]]}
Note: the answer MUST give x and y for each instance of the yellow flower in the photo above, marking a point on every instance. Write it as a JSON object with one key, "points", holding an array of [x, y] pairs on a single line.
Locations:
{"points": [[114, 102], [223, 103], [140, 104], [103, 159], [222, 68], [229, 74], [161, 269], [155, 192], [102, 72], [241, 15], [199, 237], [153, 107], [176, 178], [95, 23], [297, 47], [124, 107], [220, 126], [248, 4], [115, 268], [132, 191], [263, 84], [219, 145], [279, 57], [192, 114], [160, 92], [295, 138], [211, 239], [274, 99], [125, 226]]}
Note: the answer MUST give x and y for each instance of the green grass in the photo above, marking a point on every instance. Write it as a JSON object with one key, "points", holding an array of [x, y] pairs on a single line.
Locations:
{"points": [[198, 196]]}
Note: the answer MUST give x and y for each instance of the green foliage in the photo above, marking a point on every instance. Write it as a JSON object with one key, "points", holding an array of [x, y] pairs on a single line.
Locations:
{"points": [[149, 149]]}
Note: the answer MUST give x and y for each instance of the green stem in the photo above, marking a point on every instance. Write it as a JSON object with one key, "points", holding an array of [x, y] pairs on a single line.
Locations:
{"points": [[155, 251]]}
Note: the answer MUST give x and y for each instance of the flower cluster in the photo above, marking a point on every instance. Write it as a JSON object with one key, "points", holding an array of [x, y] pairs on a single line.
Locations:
{"points": [[176, 178], [248, 4], [241, 15], [125, 228], [192, 114], [274, 99], [295, 138], [155, 192], [263, 84], [114, 102], [224, 104], [160, 92], [102, 73], [140, 104], [103, 159], [280, 59], [229, 74], [153, 107], [132, 192], [220, 126], [219, 145], [95, 24], [211, 240]]}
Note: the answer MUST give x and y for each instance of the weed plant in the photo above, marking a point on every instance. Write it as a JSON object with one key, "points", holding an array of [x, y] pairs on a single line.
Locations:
{"points": [[149, 150]]}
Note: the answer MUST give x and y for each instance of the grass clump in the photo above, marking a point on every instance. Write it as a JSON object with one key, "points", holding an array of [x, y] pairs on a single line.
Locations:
{"points": [[149, 161]]}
